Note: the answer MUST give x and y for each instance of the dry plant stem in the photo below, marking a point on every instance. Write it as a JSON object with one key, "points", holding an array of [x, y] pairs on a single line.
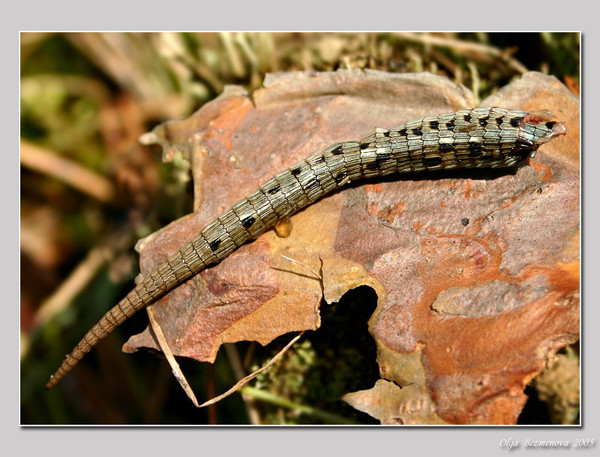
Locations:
{"points": [[464, 47], [73, 174], [164, 346], [109, 57], [236, 365], [212, 417], [253, 375]]}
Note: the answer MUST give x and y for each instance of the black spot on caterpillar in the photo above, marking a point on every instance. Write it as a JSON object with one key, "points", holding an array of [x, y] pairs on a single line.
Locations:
{"points": [[214, 245], [248, 221], [340, 177], [432, 161], [274, 189]]}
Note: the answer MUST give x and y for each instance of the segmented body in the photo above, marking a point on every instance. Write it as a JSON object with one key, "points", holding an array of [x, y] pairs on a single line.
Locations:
{"points": [[481, 137]]}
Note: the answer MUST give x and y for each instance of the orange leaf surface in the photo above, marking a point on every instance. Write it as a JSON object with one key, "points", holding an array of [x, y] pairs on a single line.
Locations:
{"points": [[476, 272]]}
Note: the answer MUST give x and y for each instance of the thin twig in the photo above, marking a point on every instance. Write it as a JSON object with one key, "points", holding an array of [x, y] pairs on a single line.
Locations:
{"points": [[77, 176], [238, 371]]}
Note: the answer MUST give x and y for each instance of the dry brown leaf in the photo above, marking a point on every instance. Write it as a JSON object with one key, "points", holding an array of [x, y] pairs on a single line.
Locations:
{"points": [[477, 273]]}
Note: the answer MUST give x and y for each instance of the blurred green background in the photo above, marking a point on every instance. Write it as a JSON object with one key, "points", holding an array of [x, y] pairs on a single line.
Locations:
{"points": [[89, 191]]}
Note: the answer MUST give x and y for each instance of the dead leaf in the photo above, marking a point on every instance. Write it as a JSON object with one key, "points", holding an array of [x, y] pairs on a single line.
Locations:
{"points": [[477, 272]]}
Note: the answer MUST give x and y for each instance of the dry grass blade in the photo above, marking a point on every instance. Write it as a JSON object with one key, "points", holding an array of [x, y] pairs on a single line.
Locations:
{"points": [[164, 346], [253, 375], [465, 47], [317, 275], [71, 286]]}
